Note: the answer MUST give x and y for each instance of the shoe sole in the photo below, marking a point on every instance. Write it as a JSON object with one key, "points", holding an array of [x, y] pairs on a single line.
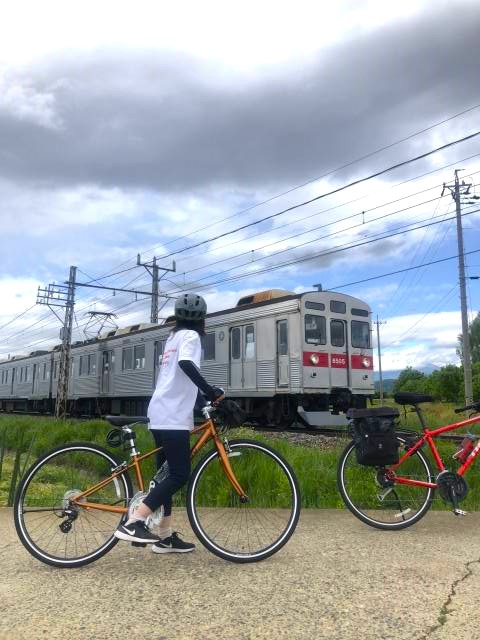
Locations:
{"points": [[170, 550], [128, 538]]}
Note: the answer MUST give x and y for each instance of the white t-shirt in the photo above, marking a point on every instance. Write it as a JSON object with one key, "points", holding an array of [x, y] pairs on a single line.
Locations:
{"points": [[171, 406]]}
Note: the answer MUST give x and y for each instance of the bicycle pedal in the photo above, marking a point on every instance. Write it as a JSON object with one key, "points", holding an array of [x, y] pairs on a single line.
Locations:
{"points": [[459, 512], [139, 544]]}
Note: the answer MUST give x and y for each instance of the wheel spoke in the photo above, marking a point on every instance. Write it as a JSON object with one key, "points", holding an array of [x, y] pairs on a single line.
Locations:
{"points": [[369, 494], [55, 528], [244, 531]]}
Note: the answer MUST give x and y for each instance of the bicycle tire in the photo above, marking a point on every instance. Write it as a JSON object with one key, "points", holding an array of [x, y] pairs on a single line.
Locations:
{"points": [[351, 502], [279, 471], [34, 471]]}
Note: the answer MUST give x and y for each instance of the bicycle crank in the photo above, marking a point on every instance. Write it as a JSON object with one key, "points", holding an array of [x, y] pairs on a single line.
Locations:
{"points": [[452, 488]]}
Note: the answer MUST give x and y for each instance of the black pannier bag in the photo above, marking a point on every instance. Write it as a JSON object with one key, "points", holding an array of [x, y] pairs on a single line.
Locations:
{"points": [[230, 413], [373, 430]]}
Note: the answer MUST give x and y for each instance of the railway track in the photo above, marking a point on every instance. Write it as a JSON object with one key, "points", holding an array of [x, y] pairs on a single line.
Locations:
{"points": [[333, 432]]}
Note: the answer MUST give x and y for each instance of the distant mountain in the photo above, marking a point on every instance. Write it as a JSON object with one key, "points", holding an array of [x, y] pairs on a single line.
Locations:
{"points": [[386, 375]]}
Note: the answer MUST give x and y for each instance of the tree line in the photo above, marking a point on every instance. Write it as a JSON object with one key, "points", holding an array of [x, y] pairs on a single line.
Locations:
{"points": [[446, 384]]}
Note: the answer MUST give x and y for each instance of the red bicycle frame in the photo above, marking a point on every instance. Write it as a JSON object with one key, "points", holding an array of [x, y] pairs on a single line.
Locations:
{"points": [[429, 436]]}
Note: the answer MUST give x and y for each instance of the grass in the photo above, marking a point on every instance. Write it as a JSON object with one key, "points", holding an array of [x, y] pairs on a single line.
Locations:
{"points": [[315, 468]]}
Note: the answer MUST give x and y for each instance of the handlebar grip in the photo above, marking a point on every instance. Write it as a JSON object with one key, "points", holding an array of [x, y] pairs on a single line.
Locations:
{"points": [[471, 407]]}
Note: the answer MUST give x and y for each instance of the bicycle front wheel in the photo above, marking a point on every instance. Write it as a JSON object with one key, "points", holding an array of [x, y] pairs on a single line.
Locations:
{"points": [[52, 527], [244, 531], [379, 503]]}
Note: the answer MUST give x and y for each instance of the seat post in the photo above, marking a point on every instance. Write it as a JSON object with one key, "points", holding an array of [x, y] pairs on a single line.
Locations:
{"points": [[420, 416]]}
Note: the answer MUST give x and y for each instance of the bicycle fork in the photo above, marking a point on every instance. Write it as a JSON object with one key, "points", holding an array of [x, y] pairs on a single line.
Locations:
{"points": [[225, 451]]}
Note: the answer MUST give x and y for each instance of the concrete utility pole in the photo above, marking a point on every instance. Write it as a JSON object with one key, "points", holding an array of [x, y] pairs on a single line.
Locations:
{"points": [[155, 270], [458, 190], [62, 295], [378, 323]]}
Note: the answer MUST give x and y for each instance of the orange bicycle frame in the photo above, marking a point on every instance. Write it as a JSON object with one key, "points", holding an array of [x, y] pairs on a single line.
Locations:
{"points": [[207, 431]]}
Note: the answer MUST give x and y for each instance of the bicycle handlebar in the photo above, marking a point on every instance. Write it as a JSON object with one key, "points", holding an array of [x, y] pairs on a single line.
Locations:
{"points": [[470, 407]]}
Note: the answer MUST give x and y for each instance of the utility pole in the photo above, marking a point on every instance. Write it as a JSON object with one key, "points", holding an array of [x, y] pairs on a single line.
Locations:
{"points": [[155, 270], [458, 190], [378, 323], [62, 295]]}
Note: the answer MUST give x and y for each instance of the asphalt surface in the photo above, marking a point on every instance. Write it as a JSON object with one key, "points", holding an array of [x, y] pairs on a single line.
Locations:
{"points": [[336, 578]]}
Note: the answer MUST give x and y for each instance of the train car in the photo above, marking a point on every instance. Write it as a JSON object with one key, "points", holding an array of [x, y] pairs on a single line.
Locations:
{"points": [[285, 357]]}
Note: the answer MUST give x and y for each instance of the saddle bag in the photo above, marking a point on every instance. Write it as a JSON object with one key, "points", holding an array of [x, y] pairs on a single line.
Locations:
{"points": [[373, 432]]}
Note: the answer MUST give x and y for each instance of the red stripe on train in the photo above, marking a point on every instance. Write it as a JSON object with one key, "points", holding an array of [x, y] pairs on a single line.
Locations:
{"points": [[362, 362], [314, 359]]}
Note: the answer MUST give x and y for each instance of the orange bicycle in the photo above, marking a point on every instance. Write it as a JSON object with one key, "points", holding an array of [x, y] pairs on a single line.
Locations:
{"points": [[243, 501]]}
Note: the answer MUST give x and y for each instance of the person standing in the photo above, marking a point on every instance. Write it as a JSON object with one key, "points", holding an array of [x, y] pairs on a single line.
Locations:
{"points": [[170, 413]]}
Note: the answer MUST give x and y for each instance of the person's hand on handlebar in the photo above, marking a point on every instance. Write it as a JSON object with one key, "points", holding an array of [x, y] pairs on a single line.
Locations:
{"points": [[216, 395]]}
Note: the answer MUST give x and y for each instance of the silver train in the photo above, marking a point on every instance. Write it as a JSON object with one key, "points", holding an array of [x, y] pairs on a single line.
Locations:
{"points": [[285, 357]]}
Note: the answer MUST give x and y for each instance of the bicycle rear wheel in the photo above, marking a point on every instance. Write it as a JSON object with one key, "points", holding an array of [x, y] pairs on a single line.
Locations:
{"points": [[256, 529], [56, 530], [378, 503]]}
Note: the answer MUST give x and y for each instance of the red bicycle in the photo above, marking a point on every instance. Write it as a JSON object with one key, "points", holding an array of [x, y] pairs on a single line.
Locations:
{"points": [[398, 495]]}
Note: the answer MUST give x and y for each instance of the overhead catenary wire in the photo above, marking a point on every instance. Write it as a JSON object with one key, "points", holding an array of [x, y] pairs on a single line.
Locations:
{"points": [[305, 202], [316, 179], [353, 183], [251, 274]]}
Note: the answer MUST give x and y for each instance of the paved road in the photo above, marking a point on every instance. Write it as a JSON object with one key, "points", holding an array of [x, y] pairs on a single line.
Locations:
{"points": [[335, 579]]}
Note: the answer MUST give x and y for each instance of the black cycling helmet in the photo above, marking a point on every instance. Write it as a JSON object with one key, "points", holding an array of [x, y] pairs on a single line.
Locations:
{"points": [[190, 306]]}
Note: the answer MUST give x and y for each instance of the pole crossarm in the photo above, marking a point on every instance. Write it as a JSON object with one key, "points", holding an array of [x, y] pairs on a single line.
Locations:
{"points": [[153, 269]]}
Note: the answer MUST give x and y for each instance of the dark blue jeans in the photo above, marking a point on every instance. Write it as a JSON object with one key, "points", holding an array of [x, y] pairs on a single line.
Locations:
{"points": [[176, 451]]}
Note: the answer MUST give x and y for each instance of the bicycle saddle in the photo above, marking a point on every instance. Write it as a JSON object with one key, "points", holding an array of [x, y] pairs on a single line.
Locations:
{"points": [[411, 398], [121, 421]]}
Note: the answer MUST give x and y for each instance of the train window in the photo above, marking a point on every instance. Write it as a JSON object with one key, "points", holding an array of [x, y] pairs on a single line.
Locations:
{"points": [[83, 366], [27, 374], [282, 334], [250, 342], [209, 346], [315, 329], [55, 366], [337, 333], [3, 375], [44, 375], [127, 358], [337, 306], [139, 356], [359, 312], [319, 306], [360, 334], [92, 364], [235, 343]]}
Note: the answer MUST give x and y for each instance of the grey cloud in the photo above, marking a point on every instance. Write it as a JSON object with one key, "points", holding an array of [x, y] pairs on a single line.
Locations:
{"points": [[157, 121]]}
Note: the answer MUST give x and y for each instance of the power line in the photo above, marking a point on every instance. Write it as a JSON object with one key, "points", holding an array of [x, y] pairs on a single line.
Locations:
{"points": [[328, 193], [393, 273], [312, 180], [317, 255]]}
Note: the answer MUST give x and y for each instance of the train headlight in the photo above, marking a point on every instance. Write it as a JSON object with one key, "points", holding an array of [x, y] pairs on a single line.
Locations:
{"points": [[365, 362], [314, 359]]}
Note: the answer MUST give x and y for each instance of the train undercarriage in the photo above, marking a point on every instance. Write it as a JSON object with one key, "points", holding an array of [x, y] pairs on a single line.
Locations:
{"points": [[279, 411]]}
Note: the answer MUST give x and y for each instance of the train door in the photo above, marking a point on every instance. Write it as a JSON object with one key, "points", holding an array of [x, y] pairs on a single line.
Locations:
{"points": [[107, 369], [34, 378], [282, 354], [13, 380], [243, 357], [339, 353]]}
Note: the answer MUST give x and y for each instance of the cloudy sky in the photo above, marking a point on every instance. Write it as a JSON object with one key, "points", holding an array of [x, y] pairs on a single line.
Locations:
{"points": [[156, 128]]}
